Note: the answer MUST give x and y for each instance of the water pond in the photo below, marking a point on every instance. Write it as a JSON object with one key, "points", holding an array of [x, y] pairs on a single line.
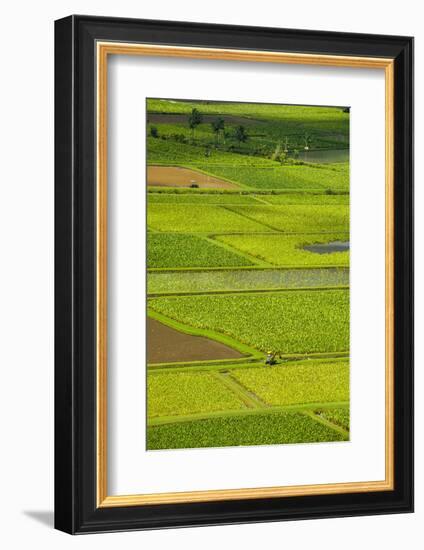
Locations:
{"points": [[328, 248], [322, 157]]}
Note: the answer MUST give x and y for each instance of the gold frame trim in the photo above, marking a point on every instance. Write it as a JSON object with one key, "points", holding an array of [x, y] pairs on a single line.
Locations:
{"points": [[104, 49]]}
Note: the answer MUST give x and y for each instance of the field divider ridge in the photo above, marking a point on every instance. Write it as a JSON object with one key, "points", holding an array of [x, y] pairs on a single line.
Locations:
{"points": [[247, 362], [253, 291], [243, 268], [230, 233], [249, 398], [241, 186], [242, 254], [251, 411], [260, 200], [327, 423], [251, 218], [245, 291]]}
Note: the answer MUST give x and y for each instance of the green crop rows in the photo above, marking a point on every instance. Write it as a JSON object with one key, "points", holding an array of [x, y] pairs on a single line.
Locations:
{"points": [[287, 322], [337, 416], [265, 429], [288, 250], [293, 384], [174, 153], [188, 393], [191, 198], [298, 218], [229, 275], [284, 177], [208, 219], [306, 198], [249, 219], [175, 250]]}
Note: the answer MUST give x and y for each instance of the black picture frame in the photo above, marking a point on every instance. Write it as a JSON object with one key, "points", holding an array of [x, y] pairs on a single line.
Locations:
{"points": [[76, 510]]}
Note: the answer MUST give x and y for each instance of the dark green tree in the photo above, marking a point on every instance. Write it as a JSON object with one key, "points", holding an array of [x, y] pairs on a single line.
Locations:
{"points": [[195, 118], [240, 134], [218, 126], [154, 131]]}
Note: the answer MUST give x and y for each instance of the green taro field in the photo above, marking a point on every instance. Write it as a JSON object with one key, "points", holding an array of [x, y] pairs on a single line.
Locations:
{"points": [[247, 274]]}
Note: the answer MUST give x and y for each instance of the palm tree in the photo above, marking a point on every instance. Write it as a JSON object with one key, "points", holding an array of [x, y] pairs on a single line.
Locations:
{"points": [[307, 141]]}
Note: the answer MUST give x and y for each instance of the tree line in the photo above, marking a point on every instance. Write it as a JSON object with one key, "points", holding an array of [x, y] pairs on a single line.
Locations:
{"points": [[218, 128]]}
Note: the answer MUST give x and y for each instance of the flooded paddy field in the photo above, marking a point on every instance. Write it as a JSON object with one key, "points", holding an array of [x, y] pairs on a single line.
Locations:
{"points": [[325, 156], [244, 279]]}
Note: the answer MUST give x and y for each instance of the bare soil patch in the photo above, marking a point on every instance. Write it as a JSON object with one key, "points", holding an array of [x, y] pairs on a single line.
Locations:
{"points": [[167, 345], [174, 176]]}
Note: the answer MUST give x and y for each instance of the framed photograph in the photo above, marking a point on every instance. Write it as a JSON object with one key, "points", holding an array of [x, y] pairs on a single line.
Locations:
{"points": [[234, 269]]}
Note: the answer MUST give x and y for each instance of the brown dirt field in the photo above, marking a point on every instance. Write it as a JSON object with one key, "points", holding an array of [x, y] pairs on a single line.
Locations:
{"points": [[173, 176], [167, 345], [158, 118]]}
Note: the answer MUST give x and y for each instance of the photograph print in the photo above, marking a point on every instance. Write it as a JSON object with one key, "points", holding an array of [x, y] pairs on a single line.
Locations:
{"points": [[247, 313]]}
